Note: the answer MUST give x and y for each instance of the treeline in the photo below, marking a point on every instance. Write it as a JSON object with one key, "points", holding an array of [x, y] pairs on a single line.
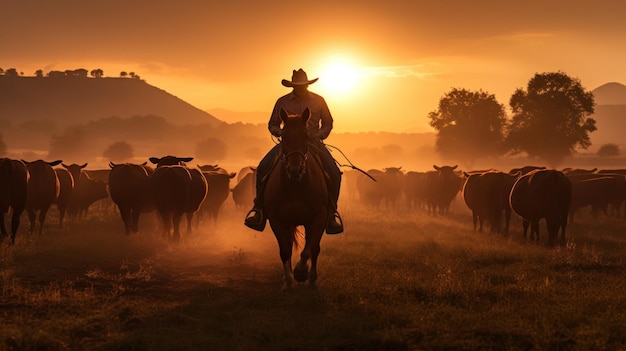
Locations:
{"points": [[551, 118], [70, 73]]}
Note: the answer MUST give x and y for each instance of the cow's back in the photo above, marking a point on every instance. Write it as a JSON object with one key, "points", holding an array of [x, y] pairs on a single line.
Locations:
{"points": [[43, 185], [170, 187]]}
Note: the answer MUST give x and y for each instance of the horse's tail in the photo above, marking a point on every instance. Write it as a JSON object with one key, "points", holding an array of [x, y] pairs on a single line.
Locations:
{"points": [[297, 237]]}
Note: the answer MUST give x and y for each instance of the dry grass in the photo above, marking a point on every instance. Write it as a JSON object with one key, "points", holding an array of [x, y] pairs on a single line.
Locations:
{"points": [[403, 282]]}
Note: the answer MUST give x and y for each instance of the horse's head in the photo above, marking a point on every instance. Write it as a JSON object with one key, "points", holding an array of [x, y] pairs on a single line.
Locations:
{"points": [[295, 143]]}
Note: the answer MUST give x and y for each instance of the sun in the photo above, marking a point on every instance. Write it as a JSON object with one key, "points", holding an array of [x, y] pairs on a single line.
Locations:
{"points": [[338, 77]]}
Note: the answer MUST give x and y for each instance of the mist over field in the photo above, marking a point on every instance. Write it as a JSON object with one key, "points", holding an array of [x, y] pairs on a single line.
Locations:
{"points": [[397, 278]]}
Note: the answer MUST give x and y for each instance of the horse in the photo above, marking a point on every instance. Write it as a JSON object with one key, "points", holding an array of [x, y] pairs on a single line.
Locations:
{"points": [[296, 195]]}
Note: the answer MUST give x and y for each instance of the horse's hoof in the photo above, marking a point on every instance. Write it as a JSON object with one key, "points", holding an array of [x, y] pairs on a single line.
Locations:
{"points": [[301, 273]]}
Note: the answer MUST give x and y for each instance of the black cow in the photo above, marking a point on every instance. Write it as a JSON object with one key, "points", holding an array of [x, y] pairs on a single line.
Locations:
{"points": [[43, 190], [129, 189], [14, 179], [442, 186], [543, 194], [172, 186]]}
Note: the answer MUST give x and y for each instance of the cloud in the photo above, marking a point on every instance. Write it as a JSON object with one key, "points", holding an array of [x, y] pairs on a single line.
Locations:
{"points": [[419, 71]]}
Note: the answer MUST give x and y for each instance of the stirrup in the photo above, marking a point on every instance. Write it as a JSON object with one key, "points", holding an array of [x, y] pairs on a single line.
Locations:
{"points": [[260, 225], [335, 218]]}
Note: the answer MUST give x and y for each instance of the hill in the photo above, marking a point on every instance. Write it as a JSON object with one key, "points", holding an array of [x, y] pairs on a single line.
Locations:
{"points": [[610, 115], [64, 101], [610, 94]]}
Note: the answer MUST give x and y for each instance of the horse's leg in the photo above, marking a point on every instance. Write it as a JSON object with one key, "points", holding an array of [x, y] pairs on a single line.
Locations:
{"points": [[285, 245], [315, 251], [311, 251]]}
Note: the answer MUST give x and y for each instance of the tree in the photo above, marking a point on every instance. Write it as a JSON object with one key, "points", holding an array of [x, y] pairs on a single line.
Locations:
{"points": [[39, 73], [120, 151], [550, 118], [470, 125], [608, 150], [11, 72], [123, 74], [211, 150], [97, 73]]}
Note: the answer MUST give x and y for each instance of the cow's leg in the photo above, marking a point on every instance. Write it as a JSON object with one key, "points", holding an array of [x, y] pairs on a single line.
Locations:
{"points": [[507, 220], [42, 218], [125, 214], [134, 219], [474, 219], [3, 228], [553, 229], [189, 216], [15, 223], [534, 229], [31, 219], [176, 219], [525, 224], [166, 222]]}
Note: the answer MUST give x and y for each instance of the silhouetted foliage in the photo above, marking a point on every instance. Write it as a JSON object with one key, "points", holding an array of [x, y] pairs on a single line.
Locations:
{"points": [[550, 118], [72, 144], [211, 149], [39, 73], [123, 74], [97, 73], [120, 151], [3, 147], [470, 125], [608, 150], [11, 72]]}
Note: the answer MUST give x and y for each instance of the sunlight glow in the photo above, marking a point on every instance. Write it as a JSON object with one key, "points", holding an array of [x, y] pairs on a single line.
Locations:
{"points": [[338, 77]]}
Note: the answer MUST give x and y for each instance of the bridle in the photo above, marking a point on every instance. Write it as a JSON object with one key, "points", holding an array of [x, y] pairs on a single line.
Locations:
{"points": [[298, 171]]}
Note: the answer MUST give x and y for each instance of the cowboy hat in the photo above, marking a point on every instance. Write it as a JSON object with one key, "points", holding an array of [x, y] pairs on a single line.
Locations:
{"points": [[298, 78]]}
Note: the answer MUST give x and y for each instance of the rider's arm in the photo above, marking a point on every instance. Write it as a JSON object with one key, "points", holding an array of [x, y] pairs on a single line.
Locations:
{"points": [[274, 124], [327, 120]]}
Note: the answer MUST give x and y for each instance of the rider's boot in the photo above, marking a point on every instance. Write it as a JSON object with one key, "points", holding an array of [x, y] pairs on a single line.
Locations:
{"points": [[255, 219], [334, 224]]}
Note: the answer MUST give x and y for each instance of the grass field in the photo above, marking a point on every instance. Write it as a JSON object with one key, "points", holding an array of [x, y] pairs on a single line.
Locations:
{"points": [[395, 280]]}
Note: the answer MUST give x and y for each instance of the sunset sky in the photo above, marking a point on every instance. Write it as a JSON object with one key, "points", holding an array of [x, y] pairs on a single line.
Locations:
{"points": [[383, 65]]}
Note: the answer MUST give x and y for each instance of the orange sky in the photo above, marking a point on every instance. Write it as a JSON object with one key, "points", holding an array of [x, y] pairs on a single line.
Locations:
{"points": [[403, 55]]}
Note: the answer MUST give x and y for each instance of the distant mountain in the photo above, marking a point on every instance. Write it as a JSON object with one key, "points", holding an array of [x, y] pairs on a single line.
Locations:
{"points": [[610, 115], [610, 94], [64, 101]]}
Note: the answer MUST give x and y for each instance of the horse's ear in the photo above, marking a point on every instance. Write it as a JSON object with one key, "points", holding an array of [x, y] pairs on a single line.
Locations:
{"points": [[306, 114], [283, 114]]}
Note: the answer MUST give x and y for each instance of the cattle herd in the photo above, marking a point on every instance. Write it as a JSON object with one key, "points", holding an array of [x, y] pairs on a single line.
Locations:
{"points": [[170, 188], [177, 192], [531, 192]]}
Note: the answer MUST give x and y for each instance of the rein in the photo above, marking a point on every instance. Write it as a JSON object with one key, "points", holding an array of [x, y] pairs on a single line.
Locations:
{"points": [[349, 163]]}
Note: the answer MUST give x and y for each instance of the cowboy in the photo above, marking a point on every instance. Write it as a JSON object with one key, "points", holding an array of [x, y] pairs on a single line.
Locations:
{"points": [[319, 126]]}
